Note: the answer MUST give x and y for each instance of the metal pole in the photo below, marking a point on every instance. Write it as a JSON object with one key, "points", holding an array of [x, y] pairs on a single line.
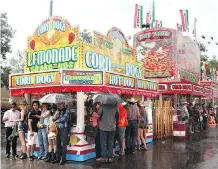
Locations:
{"points": [[51, 8]]}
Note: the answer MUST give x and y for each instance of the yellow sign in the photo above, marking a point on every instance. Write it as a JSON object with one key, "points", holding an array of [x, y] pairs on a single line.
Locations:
{"points": [[72, 77], [117, 80], [41, 79], [53, 46]]}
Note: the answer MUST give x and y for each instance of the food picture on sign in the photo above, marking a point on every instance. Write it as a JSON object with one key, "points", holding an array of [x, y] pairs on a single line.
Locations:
{"points": [[154, 50]]}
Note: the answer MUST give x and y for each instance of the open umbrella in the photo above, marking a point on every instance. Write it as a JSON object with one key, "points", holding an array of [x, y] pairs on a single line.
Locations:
{"points": [[107, 98], [56, 98]]}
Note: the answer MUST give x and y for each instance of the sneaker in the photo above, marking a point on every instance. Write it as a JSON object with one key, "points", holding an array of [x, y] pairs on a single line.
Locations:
{"points": [[44, 158], [105, 160], [121, 153], [7, 156], [115, 155], [40, 158], [31, 158], [110, 160], [23, 156], [34, 157]]}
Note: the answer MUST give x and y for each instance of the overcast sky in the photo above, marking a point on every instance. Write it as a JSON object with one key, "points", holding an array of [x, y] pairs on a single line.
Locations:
{"points": [[25, 15]]}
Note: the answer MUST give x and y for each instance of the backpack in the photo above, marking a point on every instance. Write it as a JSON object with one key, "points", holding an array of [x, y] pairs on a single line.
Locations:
{"points": [[25, 124]]}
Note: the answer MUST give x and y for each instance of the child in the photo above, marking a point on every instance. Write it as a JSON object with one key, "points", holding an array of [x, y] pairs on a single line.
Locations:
{"points": [[52, 133]]}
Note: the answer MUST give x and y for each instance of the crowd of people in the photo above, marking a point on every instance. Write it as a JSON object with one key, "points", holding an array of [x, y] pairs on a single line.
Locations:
{"points": [[46, 123], [198, 116], [106, 125], [124, 123]]}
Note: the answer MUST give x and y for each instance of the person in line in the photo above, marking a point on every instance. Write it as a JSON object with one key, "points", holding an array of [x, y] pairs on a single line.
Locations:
{"points": [[196, 118], [205, 118], [52, 133], [61, 120], [95, 123], [133, 115], [42, 131], [22, 127], [122, 124], [107, 126], [9, 116], [33, 129], [116, 136], [191, 117], [184, 112], [143, 122]]}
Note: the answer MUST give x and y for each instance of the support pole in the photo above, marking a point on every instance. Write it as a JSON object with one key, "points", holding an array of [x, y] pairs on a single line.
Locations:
{"points": [[80, 113]]}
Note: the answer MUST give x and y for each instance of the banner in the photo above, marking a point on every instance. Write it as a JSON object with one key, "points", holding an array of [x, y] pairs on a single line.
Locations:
{"points": [[31, 80], [138, 18], [73, 77], [185, 20]]}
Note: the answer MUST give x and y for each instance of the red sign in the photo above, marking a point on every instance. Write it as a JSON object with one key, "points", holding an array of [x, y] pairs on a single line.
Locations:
{"points": [[187, 87], [208, 91], [198, 89], [162, 87], [154, 34]]}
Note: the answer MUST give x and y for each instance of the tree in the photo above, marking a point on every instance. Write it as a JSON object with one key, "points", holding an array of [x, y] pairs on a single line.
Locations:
{"points": [[17, 63], [86, 36], [7, 33], [5, 72], [213, 62], [204, 58], [202, 47]]}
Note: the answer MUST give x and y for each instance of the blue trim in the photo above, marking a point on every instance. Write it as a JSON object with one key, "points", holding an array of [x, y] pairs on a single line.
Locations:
{"points": [[74, 157], [84, 157]]}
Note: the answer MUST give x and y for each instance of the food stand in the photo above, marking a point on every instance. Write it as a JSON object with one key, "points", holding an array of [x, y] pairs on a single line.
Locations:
{"points": [[66, 59]]}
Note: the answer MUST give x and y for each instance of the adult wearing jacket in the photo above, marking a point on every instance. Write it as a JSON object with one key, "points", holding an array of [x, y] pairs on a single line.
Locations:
{"points": [[61, 120], [107, 126], [133, 116]]}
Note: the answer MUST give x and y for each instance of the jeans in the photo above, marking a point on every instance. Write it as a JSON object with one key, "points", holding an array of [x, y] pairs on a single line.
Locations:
{"points": [[131, 135], [107, 142], [61, 143], [98, 145], [43, 142], [9, 131]]}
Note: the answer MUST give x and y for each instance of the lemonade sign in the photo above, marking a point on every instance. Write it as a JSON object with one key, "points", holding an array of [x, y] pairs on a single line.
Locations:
{"points": [[53, 46]]}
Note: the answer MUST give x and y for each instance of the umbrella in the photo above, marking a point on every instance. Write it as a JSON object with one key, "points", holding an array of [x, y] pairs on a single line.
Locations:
{"points": [[56, 98], [107, 98]]}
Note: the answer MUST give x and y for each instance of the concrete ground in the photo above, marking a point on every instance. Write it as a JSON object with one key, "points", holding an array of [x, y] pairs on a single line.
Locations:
{"points": [[200, 151]]}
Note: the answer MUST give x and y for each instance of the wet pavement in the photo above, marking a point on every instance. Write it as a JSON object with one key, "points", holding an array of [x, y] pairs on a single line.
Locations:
{"points": [[199, 151]]}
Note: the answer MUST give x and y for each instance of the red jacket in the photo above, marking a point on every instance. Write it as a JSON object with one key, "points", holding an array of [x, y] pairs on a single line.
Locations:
{"points": [[122, 121]]}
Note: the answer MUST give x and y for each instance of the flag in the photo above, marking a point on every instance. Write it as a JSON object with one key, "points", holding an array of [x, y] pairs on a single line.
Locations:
{"points": [[138, 18], [185, 20], [156, 24], [179, 27], [153, 12], [160, 24], [147, 18], [194, 30]]}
